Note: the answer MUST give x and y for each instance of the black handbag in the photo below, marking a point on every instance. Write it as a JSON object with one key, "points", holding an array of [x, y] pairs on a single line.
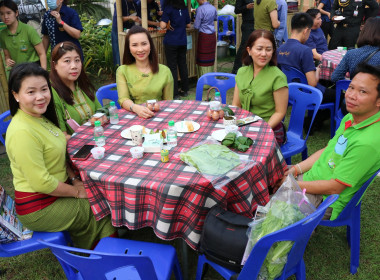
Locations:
{"points": [[224, 237]]}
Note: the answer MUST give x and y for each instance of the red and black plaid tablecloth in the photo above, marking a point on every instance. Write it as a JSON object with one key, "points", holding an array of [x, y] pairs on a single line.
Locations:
{"points": [[330, 61], [171, 197]]}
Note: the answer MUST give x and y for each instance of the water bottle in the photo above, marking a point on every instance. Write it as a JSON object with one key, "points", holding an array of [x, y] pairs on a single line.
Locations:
{"points": [[171, 135], [100, 139], [218, 97], [114, 113], [344, 51]]}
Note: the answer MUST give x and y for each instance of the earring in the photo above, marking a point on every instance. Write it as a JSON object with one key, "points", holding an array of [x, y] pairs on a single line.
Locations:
{"points": [[17, 100]]}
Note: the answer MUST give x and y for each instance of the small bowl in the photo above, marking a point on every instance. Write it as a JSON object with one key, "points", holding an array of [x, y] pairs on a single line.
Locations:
{"points": [[98, 152], [229, 120], [231, 129], [137, 152]]}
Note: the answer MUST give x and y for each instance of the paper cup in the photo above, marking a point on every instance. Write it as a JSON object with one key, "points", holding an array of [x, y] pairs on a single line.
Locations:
{"points": [[229, 120], [137, 152], [98, 152], [231, 129], [136, 134]]}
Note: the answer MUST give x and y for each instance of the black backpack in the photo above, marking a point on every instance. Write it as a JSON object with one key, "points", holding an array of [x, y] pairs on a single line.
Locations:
{"points": [[224, 237]]}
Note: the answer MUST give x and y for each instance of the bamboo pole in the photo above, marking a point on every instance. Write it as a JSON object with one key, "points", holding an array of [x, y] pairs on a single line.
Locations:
{"points": [[216, 25], [4, 103], [119, 27], [144, 14]]}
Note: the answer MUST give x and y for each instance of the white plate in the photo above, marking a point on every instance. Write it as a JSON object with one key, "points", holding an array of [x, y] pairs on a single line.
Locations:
{"points": [[126, 133], [339, 18], [182, 128], [221, 133]]}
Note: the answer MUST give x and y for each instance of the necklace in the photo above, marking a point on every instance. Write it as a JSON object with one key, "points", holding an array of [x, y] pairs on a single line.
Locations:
{"points": [[45, 123], [145, 71]]}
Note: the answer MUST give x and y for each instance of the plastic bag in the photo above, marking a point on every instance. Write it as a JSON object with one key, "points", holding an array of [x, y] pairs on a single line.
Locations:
{"points": [[227, 10], [287, 206], [215, 162]]}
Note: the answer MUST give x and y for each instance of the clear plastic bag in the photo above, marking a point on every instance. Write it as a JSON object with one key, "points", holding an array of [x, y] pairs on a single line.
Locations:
{"points": [[287, 206], [215, 162]]}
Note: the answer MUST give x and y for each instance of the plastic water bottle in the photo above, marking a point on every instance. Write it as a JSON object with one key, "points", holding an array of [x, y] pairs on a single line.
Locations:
{"points": [[114, 113], [344, 51], [100, 139], [171, 135], [218, 97]]}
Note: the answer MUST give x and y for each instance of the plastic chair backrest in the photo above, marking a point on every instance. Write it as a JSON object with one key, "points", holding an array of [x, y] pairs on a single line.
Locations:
{"points": [[225, 19], [302, 98], [341, 85], [223, 81], [4, 125], [298, 232], [25, 246], [293, 75], [100, 265], [354, 202], [108, 92]]}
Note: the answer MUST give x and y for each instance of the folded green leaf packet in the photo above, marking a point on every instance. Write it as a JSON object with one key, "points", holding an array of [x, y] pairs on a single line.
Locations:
{"points": [[212, 159], [240, 143]]}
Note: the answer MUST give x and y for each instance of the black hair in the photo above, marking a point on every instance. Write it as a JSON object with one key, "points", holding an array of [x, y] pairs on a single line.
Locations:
{"points": [[17, 76], [177, 4], [313, 12], [83, 80], [370, 34], [369, 69], [129, 59], [300, 21], [255, 35], [9, 4]]}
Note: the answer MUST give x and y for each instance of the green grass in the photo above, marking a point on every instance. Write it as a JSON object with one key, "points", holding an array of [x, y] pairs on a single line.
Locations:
{"points": [[327, 255]]}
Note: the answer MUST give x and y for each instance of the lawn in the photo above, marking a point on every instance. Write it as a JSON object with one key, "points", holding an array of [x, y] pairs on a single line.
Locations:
{"points": [[327, 255]]}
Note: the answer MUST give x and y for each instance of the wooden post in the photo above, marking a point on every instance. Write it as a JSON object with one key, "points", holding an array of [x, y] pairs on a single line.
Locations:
{"points": [[119, 27], [144, 14], [216, 25]]}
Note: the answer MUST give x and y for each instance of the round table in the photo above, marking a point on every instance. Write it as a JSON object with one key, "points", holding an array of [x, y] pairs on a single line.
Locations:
{"points": [[172, 197]]}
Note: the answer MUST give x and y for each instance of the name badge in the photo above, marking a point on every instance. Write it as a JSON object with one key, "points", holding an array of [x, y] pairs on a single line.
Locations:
{"points": [[356, 13]]}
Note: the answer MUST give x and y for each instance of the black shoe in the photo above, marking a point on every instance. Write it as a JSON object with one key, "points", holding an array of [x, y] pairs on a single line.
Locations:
{"points": [[183, 93]]}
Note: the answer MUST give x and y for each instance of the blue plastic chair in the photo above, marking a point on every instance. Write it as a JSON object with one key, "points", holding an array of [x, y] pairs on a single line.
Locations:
{"points": [[350, 217], [299, 232], [25, 246], [108, 92], [341, 85], [4, 125], [301, 97], [231, 33], [223, 81], [295, 75], [115, 258]]}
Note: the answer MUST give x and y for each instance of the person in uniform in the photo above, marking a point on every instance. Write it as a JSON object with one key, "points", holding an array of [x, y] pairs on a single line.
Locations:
{"points": [[347, 28]]}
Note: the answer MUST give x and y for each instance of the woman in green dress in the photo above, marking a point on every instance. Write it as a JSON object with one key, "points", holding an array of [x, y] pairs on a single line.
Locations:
{"points": [[261, 87], [141, 78], [73, 92]]}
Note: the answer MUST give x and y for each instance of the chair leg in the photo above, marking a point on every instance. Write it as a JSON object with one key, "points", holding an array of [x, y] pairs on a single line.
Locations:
{"points": [[301, 271], [304, 154], [355, 240], [332, 123], [200, 265]]}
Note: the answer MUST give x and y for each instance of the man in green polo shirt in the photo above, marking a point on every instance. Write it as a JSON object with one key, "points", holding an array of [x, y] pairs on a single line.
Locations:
{"points": [[353, 155]]}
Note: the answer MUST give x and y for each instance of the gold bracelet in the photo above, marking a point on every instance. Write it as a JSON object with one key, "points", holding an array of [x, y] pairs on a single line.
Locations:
{"points": [[299, 168]]}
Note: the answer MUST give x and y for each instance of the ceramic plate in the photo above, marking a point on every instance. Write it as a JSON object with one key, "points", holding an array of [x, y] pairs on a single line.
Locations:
{"points": [[221, 133], [339, 18], [126, 133], [182, 128]]}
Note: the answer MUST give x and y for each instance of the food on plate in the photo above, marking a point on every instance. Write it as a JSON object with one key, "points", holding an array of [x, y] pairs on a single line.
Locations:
{"points": [[99, 117], [190, 126]]}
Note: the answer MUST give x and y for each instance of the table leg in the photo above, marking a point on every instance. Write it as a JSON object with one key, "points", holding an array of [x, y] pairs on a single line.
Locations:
{"points": [[185, 260]]}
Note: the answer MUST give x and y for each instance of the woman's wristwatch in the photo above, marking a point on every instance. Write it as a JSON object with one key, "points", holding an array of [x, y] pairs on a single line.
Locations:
{"points": [[72, 179]]}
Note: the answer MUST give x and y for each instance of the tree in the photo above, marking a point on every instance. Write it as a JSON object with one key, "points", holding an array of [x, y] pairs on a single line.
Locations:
{"points": [[92, 8]]}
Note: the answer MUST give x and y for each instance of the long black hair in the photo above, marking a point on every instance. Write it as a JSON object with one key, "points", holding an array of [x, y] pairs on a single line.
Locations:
{"points": [[17, 76]]}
